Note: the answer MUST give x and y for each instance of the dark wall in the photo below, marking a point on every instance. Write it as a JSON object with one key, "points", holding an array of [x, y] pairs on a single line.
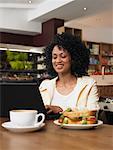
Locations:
{"points": [[49, 29], [10, 38]]}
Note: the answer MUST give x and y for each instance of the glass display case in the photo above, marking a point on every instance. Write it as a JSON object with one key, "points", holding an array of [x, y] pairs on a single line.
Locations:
{"points": [[21, 66]]}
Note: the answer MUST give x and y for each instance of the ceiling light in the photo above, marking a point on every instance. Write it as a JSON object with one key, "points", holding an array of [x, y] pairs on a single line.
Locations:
{"points": [[29, 2], [85, 8]]}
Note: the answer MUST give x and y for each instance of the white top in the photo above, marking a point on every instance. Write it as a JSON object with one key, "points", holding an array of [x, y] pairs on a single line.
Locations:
{"points": [[84, 95], [64, 101]]}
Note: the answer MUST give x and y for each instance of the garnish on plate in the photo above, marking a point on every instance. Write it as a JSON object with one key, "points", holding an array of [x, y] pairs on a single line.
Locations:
{"points": [[84, 117]]}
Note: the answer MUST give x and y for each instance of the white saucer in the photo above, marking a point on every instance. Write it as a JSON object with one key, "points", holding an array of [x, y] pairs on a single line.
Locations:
{"points": [[9, 126]]}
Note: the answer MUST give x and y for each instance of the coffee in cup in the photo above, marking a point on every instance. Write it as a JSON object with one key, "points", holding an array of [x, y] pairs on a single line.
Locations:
{"points": [[26, 117]]}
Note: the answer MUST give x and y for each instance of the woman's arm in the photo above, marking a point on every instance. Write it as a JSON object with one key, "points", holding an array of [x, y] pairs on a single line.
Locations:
{"points": [[93, 98], [45, 92], [46, 89]]}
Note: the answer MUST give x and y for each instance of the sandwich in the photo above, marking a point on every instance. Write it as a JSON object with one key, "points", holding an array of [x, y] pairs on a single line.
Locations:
{"points": [[78, 117]]}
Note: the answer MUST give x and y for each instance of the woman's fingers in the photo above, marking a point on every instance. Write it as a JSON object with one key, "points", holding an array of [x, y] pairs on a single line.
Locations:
{"points": [[48, 108], [49, 111], [57, 109], [54, 109]]}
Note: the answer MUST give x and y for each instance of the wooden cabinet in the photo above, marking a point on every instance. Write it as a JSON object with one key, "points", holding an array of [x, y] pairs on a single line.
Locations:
{"points": [[106, 52], [94, 48], [105, 91], [76, 32], [101, 54]]}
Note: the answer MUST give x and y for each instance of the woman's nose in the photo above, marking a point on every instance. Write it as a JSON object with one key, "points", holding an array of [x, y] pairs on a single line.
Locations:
{"points": [[58, 59]]}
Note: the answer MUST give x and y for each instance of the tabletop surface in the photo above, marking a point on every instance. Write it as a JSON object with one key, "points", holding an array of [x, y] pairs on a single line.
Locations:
{"points": [[52, 137]]}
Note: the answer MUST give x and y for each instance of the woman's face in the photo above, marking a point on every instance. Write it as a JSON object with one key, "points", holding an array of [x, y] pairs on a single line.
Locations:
{"points": [[61, 60]]}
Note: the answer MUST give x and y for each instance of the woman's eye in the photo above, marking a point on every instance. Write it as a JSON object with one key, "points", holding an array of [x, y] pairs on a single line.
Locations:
{"points": [[54, 57], [63, 56]]}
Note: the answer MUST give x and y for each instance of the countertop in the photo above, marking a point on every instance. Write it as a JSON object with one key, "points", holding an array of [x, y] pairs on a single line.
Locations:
{"points": [[52, 137]]}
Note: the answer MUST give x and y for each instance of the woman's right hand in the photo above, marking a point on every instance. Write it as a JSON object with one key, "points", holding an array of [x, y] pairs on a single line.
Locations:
{"points": [[53, 109]]}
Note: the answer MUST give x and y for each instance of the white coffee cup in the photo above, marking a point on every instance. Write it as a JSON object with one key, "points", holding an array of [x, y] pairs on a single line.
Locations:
{"points": [[26, 117]]}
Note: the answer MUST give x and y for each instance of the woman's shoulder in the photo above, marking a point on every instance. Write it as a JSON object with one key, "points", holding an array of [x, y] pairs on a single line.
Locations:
{"points": [[48, 86], [88, 79], [44, 82], [47, 82]]}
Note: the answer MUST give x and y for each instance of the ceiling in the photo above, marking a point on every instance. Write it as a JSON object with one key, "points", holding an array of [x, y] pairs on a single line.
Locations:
{"points": [[99, 13], [19, 3]]}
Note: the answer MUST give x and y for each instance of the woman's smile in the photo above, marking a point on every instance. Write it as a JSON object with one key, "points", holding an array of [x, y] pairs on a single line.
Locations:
{"points": [[59, 66]]}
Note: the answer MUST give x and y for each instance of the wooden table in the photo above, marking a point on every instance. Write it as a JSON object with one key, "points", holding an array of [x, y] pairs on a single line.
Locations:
{"points": [[52, 137]]}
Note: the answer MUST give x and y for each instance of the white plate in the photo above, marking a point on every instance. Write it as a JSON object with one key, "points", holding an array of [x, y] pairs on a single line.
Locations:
{"points": [[9, 126], [78, 126]]}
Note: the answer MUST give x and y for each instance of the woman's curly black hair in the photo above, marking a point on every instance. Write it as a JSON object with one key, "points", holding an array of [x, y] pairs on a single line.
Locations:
{"points": [[79, 54]]}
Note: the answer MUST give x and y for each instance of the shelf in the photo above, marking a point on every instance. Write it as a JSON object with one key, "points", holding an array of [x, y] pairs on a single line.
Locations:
{"points": [[19, 71], [94, 54], [18, 83], [41, 62], [74, 31], [41, 70], [93, 64], [101, 52], [107, 55], [106, 65]]}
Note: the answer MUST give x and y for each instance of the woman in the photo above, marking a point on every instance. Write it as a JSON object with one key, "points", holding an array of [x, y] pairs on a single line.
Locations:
{"points": [[67, 61]]}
